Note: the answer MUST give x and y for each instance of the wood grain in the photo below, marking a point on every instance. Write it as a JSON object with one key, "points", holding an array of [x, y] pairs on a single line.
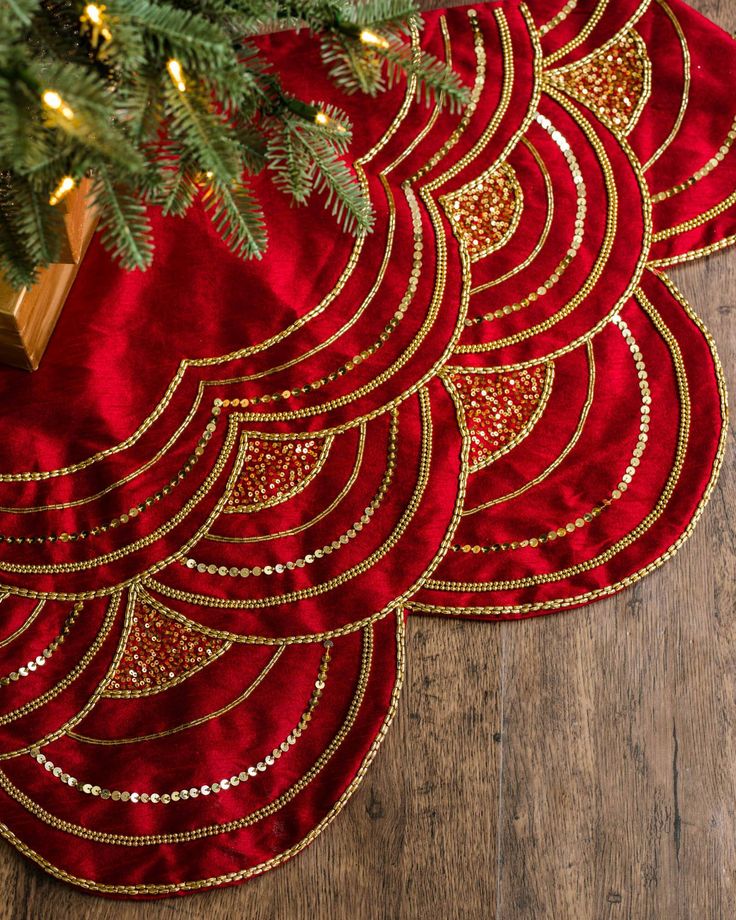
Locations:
{"points": [[573, 767]]}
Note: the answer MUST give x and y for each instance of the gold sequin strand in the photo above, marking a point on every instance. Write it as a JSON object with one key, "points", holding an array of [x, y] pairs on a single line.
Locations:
{"points": [[626, 479], [132, 513], [182, 795], [278, 568], [612, 84], [498, 407], [272, 470], [485, 212], [578, 233], [40, 660], [158, 652]]}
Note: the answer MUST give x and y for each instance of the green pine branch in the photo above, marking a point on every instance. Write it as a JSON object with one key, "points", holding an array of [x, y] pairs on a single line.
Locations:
{"points": [[76, 101], [126, 230], [238, 218]]}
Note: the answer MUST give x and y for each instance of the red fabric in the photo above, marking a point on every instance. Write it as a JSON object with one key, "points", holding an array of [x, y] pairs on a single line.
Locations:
{"points": [[146, 429]]}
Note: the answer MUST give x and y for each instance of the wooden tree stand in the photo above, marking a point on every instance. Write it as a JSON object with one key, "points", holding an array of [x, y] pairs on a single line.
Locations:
{"points": [[28, 316]]}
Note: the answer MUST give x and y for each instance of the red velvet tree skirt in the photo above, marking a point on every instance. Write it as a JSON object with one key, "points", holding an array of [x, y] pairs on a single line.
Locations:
{"points": [[230, 482]]}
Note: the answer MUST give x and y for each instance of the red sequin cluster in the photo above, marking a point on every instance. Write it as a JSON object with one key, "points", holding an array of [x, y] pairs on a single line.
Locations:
{"points": [[272, 470], [498, 407], [158, 651]]}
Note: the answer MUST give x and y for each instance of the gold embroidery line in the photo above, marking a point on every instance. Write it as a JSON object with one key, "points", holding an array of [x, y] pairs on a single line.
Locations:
{"points": [[549, 191], [695, 222], [616, 37], [161, 531], [224, 785], [584, 518], [650, 518], [345, 537], [358, 569], [255, 870], [211, 830], [40, 660], [558, 460], [219, 538], [647, 220], [113, 742], [713, 163], [687, 77], [576, 600], [693, 254], [24, 626]]}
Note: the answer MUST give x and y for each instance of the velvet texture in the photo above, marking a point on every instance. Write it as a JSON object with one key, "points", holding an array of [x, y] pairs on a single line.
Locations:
{"points": [[229, 483]]}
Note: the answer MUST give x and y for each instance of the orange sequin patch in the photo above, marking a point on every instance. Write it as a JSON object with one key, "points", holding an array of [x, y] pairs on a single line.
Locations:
{"points": [[612, 83], [498, 407], [273, 471], [159, 651], [484, 213]]}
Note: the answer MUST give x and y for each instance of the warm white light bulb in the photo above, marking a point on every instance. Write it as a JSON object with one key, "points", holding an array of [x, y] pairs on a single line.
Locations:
{"points": [[174, 69], [62, 189], [54, 101], [93, 13], [370, 38]]}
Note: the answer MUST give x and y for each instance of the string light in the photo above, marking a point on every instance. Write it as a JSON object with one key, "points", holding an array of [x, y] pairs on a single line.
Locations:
{"points": [[62, 190], [93, 13], [370, 38], [323, 120], [54, 101], [94, 21], [174, 69]]}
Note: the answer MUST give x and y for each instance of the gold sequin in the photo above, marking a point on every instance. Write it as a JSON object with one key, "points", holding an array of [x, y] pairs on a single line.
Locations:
{"points": [[273, 470], [158, 652], [485, 213], [498, 407], [612, 83]]}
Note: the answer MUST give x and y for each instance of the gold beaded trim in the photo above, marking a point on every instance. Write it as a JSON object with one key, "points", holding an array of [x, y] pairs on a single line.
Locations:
{"points": [[370, 350], [220, 538], [472, 105], [577, 240], [558, 18], [351, 533], [713, 162], [575, 600], [698, 221], [558, 460], [646, 523], [134, 511], [549, 191], [40, 660], [626, 480], [606, 248], [358, 569], [687, 78], [212, 830], [230, 442], [25, 625], [298, 459], [693, 254], [224, 785], [113, 742], [240, 874]]}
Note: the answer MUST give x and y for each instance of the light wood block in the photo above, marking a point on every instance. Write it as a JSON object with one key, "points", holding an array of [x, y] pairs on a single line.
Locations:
{"points": [[28, 316]]}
